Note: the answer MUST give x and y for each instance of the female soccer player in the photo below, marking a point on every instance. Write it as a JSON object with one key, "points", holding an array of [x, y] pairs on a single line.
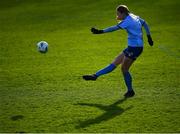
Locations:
{"points": [[133, 25]]}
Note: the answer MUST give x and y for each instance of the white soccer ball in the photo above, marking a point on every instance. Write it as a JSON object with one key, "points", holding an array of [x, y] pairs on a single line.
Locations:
{"points": [[42, 46]]}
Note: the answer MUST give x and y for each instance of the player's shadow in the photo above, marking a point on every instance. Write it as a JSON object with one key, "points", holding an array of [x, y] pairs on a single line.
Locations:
{"points": [[111, 111]]}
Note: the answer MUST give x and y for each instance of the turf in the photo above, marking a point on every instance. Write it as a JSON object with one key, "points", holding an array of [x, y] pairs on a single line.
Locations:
{"points": [[46, 93]]}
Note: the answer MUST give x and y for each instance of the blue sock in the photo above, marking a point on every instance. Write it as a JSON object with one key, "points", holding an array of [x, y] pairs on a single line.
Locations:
{"points": [[128, 80], [106, 70]]}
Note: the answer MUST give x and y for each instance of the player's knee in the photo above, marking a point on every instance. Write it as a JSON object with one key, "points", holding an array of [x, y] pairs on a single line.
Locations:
{"points": [[115, 63], [124, 69]]}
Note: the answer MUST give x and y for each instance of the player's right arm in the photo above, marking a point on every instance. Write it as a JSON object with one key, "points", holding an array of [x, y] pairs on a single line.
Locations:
{"points": [[106, 30], [146, 27], [122, 25]]}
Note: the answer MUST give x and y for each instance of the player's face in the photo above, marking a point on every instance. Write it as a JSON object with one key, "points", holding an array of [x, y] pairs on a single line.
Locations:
{"points": [[119, 16]]}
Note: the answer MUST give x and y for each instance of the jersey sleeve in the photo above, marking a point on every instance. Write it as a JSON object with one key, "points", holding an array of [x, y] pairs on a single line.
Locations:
{"points": [[145, 25], [142, 21], [111, 29], [123, 24]]}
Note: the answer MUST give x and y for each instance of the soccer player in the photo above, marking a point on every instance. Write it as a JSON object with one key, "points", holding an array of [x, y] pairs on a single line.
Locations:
{"points": [[133, 25]]}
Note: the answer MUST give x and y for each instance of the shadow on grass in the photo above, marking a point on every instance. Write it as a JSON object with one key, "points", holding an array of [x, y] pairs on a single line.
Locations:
{"points": [[17, 117], [111, 111]]}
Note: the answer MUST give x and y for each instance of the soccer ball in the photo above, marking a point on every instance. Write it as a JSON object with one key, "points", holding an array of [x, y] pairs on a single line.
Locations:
{"points": [[42, 46]]}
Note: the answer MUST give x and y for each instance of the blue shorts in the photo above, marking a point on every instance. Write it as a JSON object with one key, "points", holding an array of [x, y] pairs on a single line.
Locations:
{"points": [[133, 52]]}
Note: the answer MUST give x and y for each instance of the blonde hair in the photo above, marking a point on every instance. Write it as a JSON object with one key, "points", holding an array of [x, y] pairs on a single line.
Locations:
{"points": [[123, 9]]}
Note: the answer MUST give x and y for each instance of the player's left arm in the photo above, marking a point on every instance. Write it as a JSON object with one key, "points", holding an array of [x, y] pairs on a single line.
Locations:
{"points": [[146, 27]]}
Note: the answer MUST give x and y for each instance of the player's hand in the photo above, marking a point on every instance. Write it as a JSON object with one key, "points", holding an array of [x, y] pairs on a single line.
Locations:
{"points": [[96, 31], [150, 41]]}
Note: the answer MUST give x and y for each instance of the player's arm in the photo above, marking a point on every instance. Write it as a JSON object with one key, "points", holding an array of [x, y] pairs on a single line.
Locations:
{"points": [[146, 27], [109, 29]]}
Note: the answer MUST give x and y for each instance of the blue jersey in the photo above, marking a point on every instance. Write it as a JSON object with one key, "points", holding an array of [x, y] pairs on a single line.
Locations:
{"points": [[133, 25]]}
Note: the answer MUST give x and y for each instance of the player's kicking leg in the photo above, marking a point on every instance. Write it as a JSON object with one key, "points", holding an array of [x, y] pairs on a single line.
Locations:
{"points": [[118, 60]]}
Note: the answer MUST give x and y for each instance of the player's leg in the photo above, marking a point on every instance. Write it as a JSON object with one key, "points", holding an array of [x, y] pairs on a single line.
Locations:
{"points": [[118, 60], [131, 53], [127, 62]]}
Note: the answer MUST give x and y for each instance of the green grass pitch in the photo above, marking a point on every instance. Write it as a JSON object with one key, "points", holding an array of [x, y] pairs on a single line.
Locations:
{"points": [[46, 93]]}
